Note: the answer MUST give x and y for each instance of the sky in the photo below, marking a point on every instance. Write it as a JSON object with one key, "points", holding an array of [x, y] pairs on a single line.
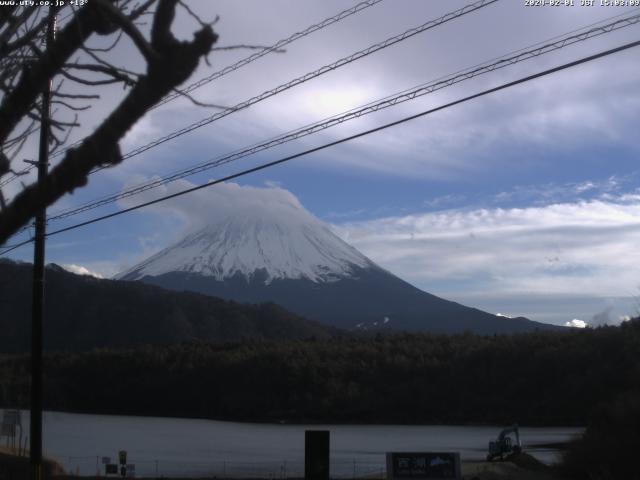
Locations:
{"points": [[525, 202]]}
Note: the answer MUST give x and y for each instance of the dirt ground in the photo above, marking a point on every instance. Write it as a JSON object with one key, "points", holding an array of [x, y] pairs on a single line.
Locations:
{"points": [[522, 467]]}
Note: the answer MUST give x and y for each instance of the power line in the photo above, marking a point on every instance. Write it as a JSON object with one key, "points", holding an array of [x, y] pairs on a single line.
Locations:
{"points": [[10, 248], [16, 175], [255, 56], [309, 76], [276, 46], [387, 102], [353, 137], [233, 67], [283, 42]]}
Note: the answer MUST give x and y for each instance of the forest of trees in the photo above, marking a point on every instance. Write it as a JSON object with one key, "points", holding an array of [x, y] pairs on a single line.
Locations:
{"points": [[113, 314], [608, 449], [540, 378]]}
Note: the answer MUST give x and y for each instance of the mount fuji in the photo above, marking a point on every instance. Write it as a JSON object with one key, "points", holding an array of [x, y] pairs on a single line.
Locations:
{"points": [[269, 248]]}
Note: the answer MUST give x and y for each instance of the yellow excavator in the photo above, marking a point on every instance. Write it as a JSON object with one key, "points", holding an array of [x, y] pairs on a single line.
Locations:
{"points": [[504, 446]]}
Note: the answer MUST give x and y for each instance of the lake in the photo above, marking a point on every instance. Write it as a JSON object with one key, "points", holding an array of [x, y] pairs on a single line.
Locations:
{"points": [[191, 447]]}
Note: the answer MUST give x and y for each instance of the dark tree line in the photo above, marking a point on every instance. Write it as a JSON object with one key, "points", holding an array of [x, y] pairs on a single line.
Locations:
{"points": [[113, 314], [608, 448], [540, 378]]}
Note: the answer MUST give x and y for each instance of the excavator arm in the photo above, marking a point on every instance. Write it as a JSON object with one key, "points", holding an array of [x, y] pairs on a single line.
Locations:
{"points": [[503, 445]]}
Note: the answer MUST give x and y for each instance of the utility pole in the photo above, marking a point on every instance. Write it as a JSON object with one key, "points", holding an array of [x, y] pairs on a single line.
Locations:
{"points": [[37, 302]]}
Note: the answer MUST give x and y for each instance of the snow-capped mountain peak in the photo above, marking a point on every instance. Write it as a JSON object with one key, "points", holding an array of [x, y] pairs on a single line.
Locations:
{"points": [[261, 245], [277, 239]]}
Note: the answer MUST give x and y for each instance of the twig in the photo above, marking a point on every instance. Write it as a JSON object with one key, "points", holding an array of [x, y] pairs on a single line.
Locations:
{"points": [[198, 102]]}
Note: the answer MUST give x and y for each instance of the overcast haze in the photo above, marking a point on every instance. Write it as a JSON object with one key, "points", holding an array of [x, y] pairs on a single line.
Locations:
{"points": [[525, 202]]}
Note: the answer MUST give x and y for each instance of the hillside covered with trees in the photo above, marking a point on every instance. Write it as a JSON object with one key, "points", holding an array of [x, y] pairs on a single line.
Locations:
{"points": [[540, 378], [83, 312]]}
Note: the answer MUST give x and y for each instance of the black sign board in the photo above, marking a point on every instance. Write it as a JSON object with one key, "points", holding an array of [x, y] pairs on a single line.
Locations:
{"points": [[111, 469], [316, 455], [423, 465]]}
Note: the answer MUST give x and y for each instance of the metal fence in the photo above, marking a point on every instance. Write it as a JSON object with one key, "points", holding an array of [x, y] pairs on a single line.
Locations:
{"points": [[340, 469]]}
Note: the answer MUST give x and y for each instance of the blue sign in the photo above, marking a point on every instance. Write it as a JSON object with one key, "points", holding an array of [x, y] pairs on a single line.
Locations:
{"points": [[423, 465]]}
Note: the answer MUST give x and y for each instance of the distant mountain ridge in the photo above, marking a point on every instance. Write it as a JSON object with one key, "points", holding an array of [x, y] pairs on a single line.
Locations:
{"points": [[83, 313], [371, 300], [276, 251]]}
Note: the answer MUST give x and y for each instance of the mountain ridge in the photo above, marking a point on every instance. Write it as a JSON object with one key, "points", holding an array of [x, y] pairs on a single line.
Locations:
{"points": [[285, 241], [370, 300], [83, 312], [274, 250]]}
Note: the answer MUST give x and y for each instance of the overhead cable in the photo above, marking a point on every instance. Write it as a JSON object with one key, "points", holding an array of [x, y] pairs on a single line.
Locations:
{"points": [[387, 102], [275, 47], [353, 137], [233, 67], [309, 76], [343, 140]]}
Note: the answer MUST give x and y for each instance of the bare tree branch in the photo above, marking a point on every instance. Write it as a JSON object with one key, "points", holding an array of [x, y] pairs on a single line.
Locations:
{"points": [[196, 17], [141, 10], [15, 105], [173, 64], [129, 28], [108, 48], [93, 83], [198, 103], [116, 73], [69, 106], [76, 95]]}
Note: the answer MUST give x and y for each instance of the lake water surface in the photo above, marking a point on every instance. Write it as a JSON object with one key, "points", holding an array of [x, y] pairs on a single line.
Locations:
{"points": [[188, 447]]}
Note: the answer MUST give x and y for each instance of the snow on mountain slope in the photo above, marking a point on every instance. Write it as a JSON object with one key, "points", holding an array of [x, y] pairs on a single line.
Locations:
{"points": [[270, 232], [256, 245]]}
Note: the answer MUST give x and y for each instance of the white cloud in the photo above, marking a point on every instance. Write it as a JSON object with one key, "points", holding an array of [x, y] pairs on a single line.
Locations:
{"points": [[444, 201], [576, 323], [544, 194], [482, 257], [273, 184], [570, 250], [561, 112], [583, 248], [205, 206], [80, 270]]}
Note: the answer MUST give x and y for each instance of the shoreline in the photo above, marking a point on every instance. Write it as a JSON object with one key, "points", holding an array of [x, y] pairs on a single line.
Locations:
{"points": [[311, 422], [522, 466], [231, 449]]}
